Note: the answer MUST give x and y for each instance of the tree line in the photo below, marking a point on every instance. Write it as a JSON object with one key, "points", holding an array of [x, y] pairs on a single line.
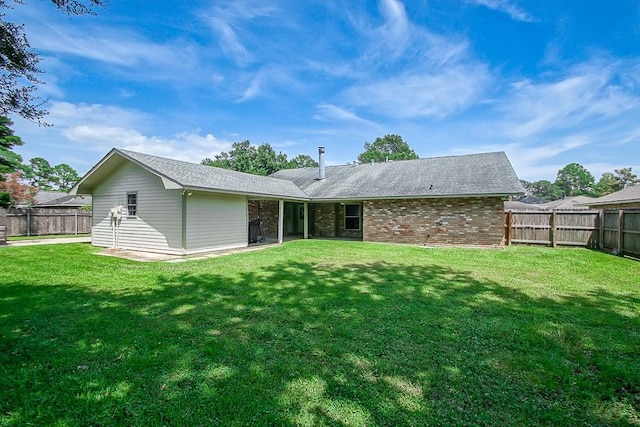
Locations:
{"points": [[19, 183], [575, 180], [263, 160]]}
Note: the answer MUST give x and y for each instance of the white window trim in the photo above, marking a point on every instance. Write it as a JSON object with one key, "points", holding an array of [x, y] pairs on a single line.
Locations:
{"points": [[132, 193]]}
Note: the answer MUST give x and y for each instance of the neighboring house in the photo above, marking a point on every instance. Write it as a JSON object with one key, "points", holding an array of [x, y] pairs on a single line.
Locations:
{"points": [[627, 198], [64, 201], [568, 203], [532, 200], [46, 196], [42, 196], [57, 199], [517, 205], [150, 203]]}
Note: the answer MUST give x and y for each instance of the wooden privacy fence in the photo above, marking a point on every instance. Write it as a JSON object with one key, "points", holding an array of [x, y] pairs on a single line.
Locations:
{"points": [[620, 232], [45, 221], [614, 230], [3, 231]]}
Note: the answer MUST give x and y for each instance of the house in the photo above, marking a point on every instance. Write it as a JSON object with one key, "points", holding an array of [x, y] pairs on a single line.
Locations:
{"points": [[627, 198], [149, 203], [568, 203], [61, 200]]}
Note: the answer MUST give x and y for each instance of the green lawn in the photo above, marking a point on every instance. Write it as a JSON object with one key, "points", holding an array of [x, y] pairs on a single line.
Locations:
{"points": [[320, 333]]}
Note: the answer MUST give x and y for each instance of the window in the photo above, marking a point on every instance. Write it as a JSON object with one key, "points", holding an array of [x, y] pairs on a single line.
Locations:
{"points": [[132, 204], [352, 217]]}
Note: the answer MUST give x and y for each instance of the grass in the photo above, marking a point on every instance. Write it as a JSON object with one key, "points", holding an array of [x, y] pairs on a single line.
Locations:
{"points": [[47, 236], [320, 333]]}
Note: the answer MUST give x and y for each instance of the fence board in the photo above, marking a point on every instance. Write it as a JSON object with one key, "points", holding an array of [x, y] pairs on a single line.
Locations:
{"points": [[614, 230], [559, 227], [631, 233], [46, 221]]}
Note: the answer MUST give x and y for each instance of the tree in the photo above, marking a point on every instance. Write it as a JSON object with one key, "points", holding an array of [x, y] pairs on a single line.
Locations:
{"points": [[389, 147], [626, 177], [39, 172], [607, 184], [545, 190], [10, 161], [258, 160], [575, 180], [19, 63], [65, 176], [244, 157], [616, 181], [43, 176], [19, 193], [302, 161]]}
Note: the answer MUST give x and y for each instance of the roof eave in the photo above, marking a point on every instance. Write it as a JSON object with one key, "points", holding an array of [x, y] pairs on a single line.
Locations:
{"points": [[611, 202], [251, 195], [401, 197], [82, 186]]}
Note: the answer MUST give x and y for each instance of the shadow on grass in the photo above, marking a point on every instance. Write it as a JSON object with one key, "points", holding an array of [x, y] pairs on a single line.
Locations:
{"points": [[299, 343]]}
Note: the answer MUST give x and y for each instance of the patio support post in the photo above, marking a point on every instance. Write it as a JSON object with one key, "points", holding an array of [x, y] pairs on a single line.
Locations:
{"points": [[280, 220], [306, 220]]}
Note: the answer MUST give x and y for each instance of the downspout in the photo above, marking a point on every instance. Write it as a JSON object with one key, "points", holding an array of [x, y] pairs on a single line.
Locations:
{"points": [[184, 221]]}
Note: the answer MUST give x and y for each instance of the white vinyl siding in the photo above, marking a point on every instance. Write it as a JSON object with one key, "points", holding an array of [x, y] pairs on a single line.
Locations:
{"points": [[216, 221], [158, 224]]}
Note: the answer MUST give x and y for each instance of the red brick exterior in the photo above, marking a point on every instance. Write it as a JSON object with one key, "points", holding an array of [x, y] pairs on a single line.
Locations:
{"points": [[268, 212], [324, 219], [459, 221], [328, 221], [477, 221]]}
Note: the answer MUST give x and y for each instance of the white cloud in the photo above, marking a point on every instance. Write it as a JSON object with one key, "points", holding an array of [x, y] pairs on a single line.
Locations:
{"points": [[227, 21], [586, 93], [98, 128], [418, 95], [408, 72], [187, 146], [508, 7], [330, 112], [115, 46]]}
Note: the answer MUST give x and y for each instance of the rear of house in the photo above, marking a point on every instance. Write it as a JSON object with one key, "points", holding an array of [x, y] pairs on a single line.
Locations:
{"points": [[453, 200], [156, 219], [149, 203]]}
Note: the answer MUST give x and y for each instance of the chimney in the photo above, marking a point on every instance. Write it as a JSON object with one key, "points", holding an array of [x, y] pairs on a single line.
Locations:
{"points": [[321, 174]]}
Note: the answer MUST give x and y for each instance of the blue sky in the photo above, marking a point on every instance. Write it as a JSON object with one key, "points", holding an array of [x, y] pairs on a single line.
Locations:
{"points": [[549, 82]]}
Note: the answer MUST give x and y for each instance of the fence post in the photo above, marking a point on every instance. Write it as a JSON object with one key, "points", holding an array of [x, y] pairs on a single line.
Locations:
{"points": [[3, 229], [620, 231], [553, 228], [76, 216], [507, 228], [601, 229], [28, 222]]}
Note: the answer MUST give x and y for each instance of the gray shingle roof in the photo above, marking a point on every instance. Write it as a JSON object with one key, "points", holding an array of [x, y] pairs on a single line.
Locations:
{"points": [[488, 174], [192, 175], [628, 196], [66, 201], [475, 174]]}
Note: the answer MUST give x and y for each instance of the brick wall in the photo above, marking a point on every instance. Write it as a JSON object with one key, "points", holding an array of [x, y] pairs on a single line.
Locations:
{"points": [[329, 221], [468, 221], [268, 211], [324, 215], [340, 224]]}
